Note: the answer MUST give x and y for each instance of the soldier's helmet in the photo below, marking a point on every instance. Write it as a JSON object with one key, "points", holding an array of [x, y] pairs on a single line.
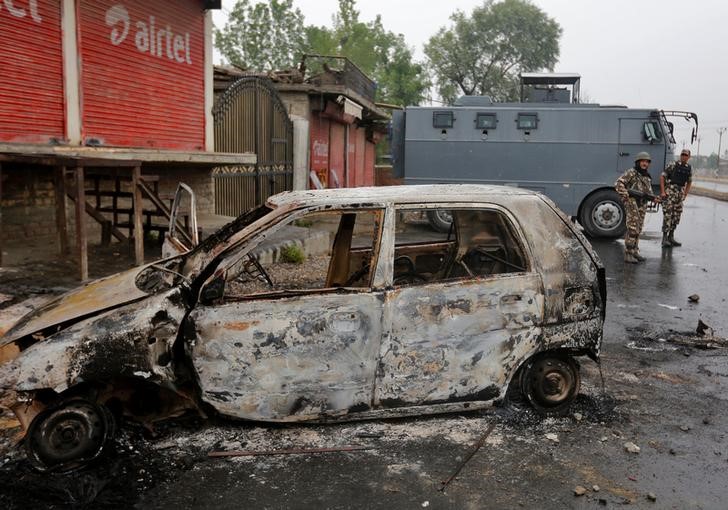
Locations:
{"points": [[642, 155]]}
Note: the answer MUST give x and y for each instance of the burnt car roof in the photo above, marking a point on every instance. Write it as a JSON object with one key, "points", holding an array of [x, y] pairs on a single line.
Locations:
{"points": [[420, 193]]}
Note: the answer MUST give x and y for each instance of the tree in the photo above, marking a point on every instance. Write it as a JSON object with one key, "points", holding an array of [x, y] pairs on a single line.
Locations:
{"points": [[482, 54], [262, 36], [382, 55]]}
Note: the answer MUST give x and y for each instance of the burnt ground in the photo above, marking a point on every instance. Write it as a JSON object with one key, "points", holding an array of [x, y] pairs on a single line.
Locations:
{"points": [[659, 391]]}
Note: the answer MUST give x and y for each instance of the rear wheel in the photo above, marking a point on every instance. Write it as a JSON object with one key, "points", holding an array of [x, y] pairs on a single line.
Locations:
{"points": [[69, 435], [440, 220], [602, 214], [550, 383]]}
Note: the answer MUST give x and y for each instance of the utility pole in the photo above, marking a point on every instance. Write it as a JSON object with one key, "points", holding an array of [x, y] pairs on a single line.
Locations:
{"points": [[720, 139]]}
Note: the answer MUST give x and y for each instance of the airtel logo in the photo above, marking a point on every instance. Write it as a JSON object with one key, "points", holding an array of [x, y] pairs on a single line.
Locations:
{"points": [[19, 12], [148, 38]]}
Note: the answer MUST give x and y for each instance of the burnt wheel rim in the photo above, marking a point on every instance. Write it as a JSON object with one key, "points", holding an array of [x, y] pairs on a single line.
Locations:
{"points": [[552, 382], [68, 436]]}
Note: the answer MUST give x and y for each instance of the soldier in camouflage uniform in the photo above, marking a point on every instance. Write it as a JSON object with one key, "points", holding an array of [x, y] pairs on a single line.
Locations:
{"points": [[675, 183], [634, 179]]}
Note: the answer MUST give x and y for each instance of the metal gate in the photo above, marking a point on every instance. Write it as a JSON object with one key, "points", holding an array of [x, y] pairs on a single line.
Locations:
{"points": [[250, 117]]}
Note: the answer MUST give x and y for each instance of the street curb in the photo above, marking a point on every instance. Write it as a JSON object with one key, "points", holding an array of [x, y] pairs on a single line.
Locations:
{"points": [[710, 193]]}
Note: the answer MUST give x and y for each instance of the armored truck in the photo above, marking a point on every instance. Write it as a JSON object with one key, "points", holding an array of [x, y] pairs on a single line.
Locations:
{"points": [[548, 142]]}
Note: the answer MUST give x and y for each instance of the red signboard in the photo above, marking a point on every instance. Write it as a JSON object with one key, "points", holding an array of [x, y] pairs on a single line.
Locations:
{"points": [[142, 73], [31, 82]]}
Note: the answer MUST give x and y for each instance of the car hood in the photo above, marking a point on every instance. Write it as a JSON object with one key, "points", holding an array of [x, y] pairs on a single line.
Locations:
{"points": [[94, 297]]}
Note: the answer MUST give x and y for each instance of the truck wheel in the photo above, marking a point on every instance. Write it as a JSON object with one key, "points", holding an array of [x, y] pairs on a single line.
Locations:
{"points": [[550, 383], [440, 220], [602, 215]]}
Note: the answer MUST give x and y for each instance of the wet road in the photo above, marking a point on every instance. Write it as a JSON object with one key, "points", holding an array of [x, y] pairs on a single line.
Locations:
{"points": [[667, 399], [718, 186]]}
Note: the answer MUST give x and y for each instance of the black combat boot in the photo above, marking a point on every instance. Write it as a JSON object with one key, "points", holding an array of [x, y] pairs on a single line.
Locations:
{"points": [[630, 259], [672, 240], [666, 240], [639, 257]]}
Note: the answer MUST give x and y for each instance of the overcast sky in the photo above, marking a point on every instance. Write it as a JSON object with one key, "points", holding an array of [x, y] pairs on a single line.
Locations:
{"points": [[668, 54]]}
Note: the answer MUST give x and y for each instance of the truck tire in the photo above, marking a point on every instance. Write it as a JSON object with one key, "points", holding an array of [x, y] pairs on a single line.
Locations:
{"points": [[603, 215], [440, 220]]}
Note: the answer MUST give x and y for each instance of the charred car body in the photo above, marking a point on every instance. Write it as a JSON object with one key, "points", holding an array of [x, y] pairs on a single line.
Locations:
{"points": [[391, 319]]}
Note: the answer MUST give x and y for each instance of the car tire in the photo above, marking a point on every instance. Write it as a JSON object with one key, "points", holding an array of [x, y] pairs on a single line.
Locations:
{"points": [[440, 220], [550, 383], [602, 214], [69, 435]]}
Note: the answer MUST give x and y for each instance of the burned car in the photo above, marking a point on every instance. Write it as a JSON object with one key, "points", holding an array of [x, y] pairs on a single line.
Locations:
{"points": [[386, 317]]}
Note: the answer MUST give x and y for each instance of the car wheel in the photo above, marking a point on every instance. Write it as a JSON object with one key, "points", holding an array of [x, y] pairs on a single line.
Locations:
{"points": [[550, 383], [440, 220], [602, 215], [68, 436]]}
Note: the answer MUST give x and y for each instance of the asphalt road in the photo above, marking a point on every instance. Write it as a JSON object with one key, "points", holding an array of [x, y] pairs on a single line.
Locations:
{"points": [[656, 392]]}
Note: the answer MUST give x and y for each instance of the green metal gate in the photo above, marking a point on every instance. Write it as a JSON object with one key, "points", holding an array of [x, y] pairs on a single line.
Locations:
{"points": [[250, 117]]}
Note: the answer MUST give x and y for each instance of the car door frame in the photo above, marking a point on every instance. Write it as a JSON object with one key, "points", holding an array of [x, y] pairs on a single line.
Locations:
{"points": [[392, 393]]}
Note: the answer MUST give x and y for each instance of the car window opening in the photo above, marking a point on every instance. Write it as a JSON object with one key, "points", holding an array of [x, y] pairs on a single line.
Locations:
{"points": [[478, 243]]}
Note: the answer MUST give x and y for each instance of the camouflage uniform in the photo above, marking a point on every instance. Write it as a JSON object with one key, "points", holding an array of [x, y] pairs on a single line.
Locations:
{"points": [[672, 205], [635, 208]]}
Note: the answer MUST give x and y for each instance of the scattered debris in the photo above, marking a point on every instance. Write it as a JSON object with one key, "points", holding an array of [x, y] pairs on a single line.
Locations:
{"points": [[552, 437], [288, 451], [685, 428], [596, 488], [425, 504], [693, 298], [578, 416], [651, 496], [706, 421], [579, 490], [703, 329], [478, 445], [669, 307], [631, 447]]}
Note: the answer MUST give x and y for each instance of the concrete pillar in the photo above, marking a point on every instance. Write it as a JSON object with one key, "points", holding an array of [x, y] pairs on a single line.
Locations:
{"points": [[300, 153], [71, 86]]}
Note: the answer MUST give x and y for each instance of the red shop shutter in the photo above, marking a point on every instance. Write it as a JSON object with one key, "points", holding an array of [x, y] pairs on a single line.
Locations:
{"points": [[142, 73], [31, 82], [337, 161]]}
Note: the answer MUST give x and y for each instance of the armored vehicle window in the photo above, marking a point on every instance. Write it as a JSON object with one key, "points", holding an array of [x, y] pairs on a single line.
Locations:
{"points": [[479, 243], [652, 132], [338, 251], [527, 121], [442, 120], [486, 121]]}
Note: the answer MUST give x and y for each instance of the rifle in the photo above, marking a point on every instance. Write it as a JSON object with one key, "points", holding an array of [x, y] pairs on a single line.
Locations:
{"points": [[642, 196]]}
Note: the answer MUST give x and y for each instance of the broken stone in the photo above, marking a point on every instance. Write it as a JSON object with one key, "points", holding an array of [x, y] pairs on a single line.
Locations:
{"points": [[578, 416], [672, 451], [552, 437], [703, 329], [425, 504], [685, 428], [579, 490], [651, 496], [693, 298], [603, 438], [631, 447], [595, 488]]}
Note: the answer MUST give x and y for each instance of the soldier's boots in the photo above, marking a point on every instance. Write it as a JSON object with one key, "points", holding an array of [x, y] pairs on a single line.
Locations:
{"points": [[631, 259], [639, 257], [672, 240], [666, 241]]}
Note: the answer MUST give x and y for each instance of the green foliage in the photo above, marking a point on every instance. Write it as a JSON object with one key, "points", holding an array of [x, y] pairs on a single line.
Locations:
{"points": [[483, 53], [271, 35], [379, 53], [293, 254], [262, 36]]}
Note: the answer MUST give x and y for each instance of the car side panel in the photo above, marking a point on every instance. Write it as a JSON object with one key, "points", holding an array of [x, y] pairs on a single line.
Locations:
{"points": [[458, 340], [288, 359]]}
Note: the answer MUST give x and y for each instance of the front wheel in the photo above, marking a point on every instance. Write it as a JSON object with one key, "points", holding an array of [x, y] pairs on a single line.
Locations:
{"points": [[69, 436], [603, 215], [440, 220], [550, 383]]}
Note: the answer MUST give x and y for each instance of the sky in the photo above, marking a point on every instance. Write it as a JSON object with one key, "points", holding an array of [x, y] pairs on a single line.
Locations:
{"points": [[666, 54]]}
